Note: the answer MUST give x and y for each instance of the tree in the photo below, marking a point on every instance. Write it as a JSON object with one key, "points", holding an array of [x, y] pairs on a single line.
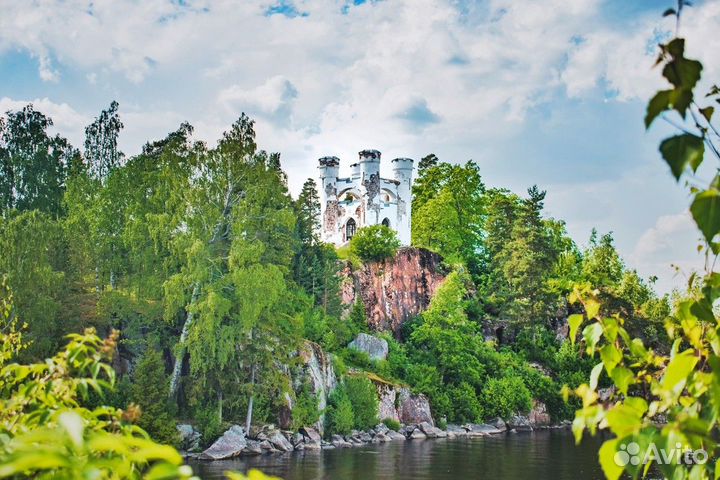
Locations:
{"points": [[374, 243], [364, 400], [149, 390], [681, 387], [101, 143], [448, 211], [32, 260], [33, 164]]}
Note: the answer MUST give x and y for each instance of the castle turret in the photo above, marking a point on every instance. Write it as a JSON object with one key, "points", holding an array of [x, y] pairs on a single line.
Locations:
{"points": [[402, 172], [370, 186], [355, 171], [329, 168]]}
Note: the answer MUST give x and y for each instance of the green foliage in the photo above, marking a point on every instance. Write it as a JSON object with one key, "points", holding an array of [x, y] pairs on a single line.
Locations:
{"points": [[340, 417], [448, 210], [503, 397], [45, 431], [34, 166], [374, 243], [392, 424], [364, 400], [149, 390], [465, 404], [305, 411]]}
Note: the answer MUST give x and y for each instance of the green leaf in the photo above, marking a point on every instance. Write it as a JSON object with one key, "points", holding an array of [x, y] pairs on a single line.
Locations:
{"points": [[705, 210], [592, 334], [574, 321], [658, 104], [622, 378], [606, 454], [682, 151], [678, 370], [610, 356], [595, 375], [624, 420], [707, 112]]}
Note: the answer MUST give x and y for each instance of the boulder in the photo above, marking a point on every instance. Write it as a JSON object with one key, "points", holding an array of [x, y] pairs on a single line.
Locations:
{"points": [[456, 430], [498, 423], [430, 431], [267, 447], [380, 438], [387, 399], [393, 435], [252, 448], [414, 409], [231, 444], [339, 442], [327, 445], [297, 439], [311, 435], [483, 429], [279, 441], [189, 438], [538, 416], [417, 434], [375, 348], [519, 423], [381, 428]]}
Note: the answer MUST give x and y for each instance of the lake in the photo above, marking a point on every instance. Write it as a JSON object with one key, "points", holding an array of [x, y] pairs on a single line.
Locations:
{"points": [[545, 454]]}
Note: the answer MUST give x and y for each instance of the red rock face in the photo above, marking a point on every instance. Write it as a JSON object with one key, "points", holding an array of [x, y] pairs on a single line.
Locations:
{"points": [[396, 290]]}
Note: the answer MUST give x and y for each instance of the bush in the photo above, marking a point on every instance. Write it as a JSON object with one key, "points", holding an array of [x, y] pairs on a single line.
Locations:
{"points": [[363, 396], [340, 417], [150, 390], [306, 410], [374, 243], [505, 397], [465, 404], [392, 424]]}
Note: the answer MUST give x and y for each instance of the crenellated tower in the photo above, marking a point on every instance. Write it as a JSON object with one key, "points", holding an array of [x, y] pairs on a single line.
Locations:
{"points": [[364, 198]]}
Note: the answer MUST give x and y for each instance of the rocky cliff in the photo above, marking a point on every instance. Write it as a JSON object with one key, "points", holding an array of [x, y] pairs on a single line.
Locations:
{"points": [[395, 290]]}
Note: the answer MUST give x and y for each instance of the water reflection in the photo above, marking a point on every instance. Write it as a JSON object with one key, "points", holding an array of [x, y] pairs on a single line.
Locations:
{"points": [[528, 456]]}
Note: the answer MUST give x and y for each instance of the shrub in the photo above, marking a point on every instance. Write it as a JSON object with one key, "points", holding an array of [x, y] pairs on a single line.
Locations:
{"points": [[363, 396], [392, 424], [374, 243], [150, 390], [306, 410], [465, 404], [340, 417], [505, 397]]}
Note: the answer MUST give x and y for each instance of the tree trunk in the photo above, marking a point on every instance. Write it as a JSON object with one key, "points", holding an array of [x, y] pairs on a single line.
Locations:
{"points": [[248, 419], [177, 368], [217, 234], [220, 406]]}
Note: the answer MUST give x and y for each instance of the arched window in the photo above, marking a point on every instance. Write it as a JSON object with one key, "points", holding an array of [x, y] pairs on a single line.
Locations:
{"points": [[350, 228], [386, 222]]}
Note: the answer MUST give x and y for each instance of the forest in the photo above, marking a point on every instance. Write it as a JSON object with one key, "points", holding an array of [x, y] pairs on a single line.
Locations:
{"points": [[204, 275]]}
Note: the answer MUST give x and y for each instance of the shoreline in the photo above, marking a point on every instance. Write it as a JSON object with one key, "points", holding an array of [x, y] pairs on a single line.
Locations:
{"points": [[268, 440]]}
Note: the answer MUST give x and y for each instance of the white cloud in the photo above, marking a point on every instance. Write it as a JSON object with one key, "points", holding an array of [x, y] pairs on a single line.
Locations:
{"points": [[66, 120], [272, 97], [623, 57], [406, 76]]}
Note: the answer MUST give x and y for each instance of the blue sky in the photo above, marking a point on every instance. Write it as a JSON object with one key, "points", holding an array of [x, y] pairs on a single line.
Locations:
{"points": [[545, 92]]}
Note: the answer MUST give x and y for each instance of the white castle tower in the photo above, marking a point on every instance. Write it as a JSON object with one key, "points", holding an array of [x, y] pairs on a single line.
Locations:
{"points": [[364, 198]]}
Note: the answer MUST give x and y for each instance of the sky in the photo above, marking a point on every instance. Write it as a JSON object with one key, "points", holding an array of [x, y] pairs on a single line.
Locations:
{"points": [[546, 92]]}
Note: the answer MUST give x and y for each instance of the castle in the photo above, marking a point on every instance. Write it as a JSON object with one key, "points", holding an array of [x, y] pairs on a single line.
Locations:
{"points": [[364, 199]]}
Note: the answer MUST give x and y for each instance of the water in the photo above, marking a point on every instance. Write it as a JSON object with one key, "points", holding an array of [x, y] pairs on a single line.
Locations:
{"points": [[548, 454]]}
